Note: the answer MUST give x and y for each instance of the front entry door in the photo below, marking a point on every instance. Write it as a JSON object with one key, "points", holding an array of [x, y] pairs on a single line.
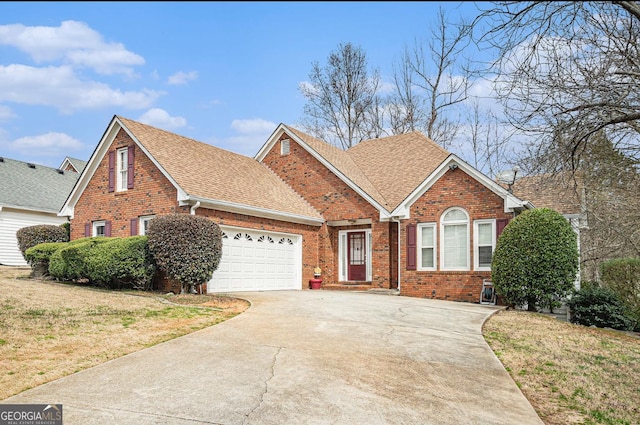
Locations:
{"points": [[357, 258]]}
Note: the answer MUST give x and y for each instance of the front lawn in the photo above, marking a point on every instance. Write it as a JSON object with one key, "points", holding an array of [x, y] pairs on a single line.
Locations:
{"points": [[49, 330], [571, 374]]}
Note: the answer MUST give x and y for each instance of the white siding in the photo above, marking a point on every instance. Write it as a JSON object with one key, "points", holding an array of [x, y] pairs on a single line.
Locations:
{"points": [[13, 220]]}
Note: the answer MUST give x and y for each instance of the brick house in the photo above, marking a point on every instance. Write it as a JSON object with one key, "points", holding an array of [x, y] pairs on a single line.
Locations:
{"points": [[396, 212]]}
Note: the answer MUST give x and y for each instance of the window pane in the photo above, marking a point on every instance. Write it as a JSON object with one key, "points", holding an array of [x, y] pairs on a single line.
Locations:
{"points": [[427, 257], [427, 236], [485, 234], [455, 246], [455, 215], [484, 256]]}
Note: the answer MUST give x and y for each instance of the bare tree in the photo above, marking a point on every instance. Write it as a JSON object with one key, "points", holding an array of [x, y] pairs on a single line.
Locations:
{"points": [[487, 145], [569, 71], [430, 81], [342, 98]]}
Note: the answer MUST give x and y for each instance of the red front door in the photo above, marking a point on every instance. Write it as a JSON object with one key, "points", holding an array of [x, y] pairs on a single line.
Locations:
{"points": [[357, 258]]}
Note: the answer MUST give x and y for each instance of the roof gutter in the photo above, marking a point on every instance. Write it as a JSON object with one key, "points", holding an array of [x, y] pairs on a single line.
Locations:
{"points": [[249, 210]]}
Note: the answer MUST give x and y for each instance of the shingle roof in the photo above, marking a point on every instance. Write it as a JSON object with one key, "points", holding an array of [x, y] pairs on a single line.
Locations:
{"points": [[344, 163], [208, 172], [34, 187], [78, 164], [549, 191], [396, 165], [388, 168]]}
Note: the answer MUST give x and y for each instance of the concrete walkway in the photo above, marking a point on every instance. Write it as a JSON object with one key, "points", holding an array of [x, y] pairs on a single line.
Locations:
{"points": [[306, 357]]}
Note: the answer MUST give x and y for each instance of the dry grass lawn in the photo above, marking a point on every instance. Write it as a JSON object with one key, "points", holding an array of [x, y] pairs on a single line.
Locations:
{"points": [[49, 330], [571, 374]]}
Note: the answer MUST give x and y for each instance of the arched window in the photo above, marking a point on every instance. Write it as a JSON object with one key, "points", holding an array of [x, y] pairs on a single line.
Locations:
{"points": [[454, 230]]}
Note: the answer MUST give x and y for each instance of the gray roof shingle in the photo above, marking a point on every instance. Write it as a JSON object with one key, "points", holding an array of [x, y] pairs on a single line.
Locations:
{"points": [[34, 187]]}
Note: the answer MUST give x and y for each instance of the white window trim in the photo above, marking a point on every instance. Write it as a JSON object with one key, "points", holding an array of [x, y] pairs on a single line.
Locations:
{"points": [[122, 169], [419, 246], [476, 240], [141, 222], [342, 253], [442, 226], [95, 225]]}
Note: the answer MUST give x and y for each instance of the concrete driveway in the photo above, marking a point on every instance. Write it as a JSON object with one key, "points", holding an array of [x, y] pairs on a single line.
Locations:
{"points": [[306, 357]]}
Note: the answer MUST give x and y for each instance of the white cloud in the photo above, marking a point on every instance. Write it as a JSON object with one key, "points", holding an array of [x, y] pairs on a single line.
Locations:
{"points": [[49, 144], [73, 42], [180, 78], [256, 126], [61, 88], [307, 87], [6, 113], [161, 119]]}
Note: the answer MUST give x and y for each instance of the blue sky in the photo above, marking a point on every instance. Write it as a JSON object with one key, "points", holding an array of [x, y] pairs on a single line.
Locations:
{"points": [[225, 73]]}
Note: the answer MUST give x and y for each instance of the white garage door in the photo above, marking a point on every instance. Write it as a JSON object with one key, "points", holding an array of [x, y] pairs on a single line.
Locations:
{"points": [[257, 261]]}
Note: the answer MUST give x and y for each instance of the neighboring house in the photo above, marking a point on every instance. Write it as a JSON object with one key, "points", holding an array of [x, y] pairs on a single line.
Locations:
{"points": [[73, 164], [559, 192], [30, 194], [396, 212]]}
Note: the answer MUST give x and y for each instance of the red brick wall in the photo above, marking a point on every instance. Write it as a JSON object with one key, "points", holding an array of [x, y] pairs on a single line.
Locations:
{"points": [[335, 200], [454, 189], [152, 194], [318, 185]]}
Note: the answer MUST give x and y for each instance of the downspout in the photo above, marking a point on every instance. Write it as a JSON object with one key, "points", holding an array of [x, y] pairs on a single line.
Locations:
{"points": [[397, 220], [194, 207]]}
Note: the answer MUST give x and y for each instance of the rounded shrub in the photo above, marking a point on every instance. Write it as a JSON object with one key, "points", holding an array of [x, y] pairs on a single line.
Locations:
{"points": [[33, 235], [187, 248], [600, 307], [120, 263], [536, 259]]}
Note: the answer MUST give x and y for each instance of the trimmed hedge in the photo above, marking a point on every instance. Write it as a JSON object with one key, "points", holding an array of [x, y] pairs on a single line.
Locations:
{"points": [[600, 307], [187, 248], [536, 259], [38, 257], [622, 276], [120, 263], [31, 236], [68, 262]]}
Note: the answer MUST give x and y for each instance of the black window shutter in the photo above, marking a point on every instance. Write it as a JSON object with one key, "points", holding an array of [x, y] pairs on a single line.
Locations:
{"points": [[87, 230], [107, 228], [134, 226], [411, 247], [131, 156], [112, 171]]}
